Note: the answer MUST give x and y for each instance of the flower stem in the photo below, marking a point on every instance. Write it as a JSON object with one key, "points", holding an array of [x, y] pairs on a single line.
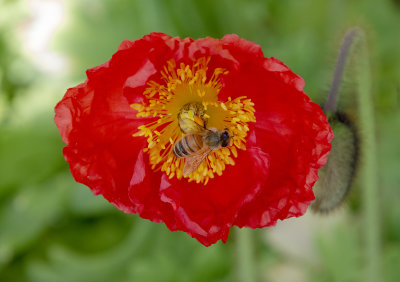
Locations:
{"points": [[246, 269], [331, 103], [368, 156], [354, 43]]}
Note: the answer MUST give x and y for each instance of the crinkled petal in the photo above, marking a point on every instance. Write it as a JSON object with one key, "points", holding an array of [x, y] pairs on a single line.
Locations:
{"points": [[272, 179], [293, 130]]}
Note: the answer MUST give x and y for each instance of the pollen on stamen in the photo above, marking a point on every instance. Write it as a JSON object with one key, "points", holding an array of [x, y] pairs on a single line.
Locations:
{"points": [[223, 106], [184, 84]]}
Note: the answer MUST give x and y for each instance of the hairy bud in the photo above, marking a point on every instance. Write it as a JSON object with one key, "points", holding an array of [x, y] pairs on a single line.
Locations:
{"points": [[337, 175]]}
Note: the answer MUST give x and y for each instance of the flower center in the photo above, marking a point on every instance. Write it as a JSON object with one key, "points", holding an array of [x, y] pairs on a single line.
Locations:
{"points": [[187, 104]]}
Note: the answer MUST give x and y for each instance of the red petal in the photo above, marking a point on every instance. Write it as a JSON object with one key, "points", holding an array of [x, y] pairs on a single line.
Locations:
{"points": [[292, 130], [97, 123], [207, 211], [271, 180]]}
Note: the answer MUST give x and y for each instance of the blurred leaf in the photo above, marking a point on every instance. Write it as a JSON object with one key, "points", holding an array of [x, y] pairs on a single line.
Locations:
{"points": [[28, 154], [212, 264], [27, 214], [11, 57], [98, 27], [84, 203], [390, 263], [340, 256], [175, 256], [388, 158], [111, 265]]}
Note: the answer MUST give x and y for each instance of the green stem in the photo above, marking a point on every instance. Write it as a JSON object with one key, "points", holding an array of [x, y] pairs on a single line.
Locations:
{"points": [[330, 105], [368, 158], [246, 269]]}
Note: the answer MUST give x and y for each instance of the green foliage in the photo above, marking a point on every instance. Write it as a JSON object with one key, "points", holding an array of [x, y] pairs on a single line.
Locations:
{"points": [[53, 229], [341, 256], [134, 258], [23, 151], [16, 73]]}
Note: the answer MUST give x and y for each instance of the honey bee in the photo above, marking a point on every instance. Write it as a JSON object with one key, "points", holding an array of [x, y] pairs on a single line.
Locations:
{"points": [[198, 140], [196, 146]]}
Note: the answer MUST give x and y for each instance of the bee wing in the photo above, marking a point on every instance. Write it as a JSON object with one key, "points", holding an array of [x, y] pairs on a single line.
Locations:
{"points": [[193, 161]]}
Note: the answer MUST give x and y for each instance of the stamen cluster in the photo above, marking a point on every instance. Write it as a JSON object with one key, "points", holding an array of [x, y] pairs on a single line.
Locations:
{"points": [[190, 84]]}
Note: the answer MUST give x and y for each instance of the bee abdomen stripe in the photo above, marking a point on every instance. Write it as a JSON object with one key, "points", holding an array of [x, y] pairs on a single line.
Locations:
{"points": [[181, 148], [199, 146], [176, 152], [188, 147]]}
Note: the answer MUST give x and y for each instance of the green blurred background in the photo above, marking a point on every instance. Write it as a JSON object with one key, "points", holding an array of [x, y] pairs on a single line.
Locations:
{"points": [[53, 229]]}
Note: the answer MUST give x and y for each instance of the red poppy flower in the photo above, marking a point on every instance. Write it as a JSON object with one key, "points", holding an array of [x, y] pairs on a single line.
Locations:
{"points": [[122, 123]]}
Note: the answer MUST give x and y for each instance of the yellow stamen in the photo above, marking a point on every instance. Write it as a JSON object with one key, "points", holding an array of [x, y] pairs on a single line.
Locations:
{"points": [[189, 84]]}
